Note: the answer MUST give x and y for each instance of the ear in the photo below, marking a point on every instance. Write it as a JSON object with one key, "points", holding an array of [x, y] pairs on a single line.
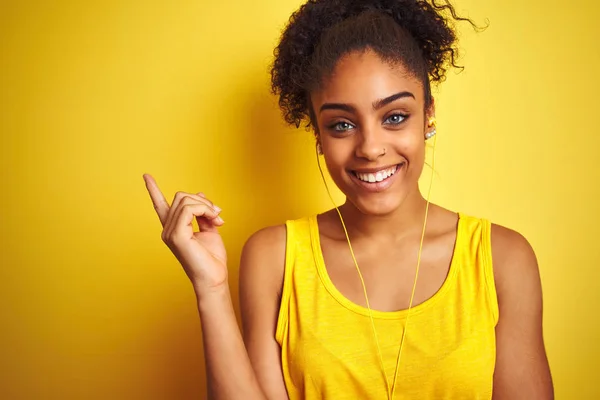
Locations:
{"points": [[430, 123], [430, 112], [318, 144]]}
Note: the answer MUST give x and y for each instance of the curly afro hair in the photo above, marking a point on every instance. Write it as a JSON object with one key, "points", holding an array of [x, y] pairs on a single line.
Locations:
{"points": [[413, 33]]}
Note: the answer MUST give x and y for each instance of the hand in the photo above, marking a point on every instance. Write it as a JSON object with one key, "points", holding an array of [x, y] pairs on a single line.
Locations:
{"points": [[202, 254]]}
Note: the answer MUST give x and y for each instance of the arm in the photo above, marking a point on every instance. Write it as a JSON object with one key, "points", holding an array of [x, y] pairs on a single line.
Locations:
{"points": [[522, 370], [261, 282], [228, 369], [203, 257]]}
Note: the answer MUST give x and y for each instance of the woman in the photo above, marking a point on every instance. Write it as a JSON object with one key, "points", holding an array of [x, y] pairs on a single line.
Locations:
{"points": [[389, 296]]}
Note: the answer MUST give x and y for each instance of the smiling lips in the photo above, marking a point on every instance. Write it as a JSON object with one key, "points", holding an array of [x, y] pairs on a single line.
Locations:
{"points": [[376, 180], [376, 176]]}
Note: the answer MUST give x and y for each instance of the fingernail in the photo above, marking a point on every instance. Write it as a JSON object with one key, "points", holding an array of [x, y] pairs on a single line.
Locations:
{"points": [[219, 220], [217, 208]]}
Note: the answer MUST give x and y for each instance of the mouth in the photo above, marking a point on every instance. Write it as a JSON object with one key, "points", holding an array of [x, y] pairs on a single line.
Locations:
{"points": [[376, 180]]}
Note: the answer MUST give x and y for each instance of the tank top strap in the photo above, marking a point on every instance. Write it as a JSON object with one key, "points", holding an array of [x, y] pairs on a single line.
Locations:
{"points": [[298, 251], [476, 253]]}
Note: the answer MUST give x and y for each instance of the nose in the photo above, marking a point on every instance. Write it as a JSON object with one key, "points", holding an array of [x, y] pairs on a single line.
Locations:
{"points": [[370, 144]]}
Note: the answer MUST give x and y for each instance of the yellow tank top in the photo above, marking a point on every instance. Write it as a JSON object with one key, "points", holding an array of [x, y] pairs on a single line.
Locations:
{"points": [[327, 345]]}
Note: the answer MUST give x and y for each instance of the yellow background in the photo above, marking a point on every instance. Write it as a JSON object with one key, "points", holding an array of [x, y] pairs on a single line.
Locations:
{"points": [[95, 93]]}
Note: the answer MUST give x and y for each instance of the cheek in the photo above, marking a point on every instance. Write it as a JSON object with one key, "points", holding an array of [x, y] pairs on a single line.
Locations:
{"points": [[335, 162], [412, 146], [337, 153]]}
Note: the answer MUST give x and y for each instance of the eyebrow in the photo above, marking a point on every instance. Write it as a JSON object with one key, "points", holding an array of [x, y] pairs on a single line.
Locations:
{"points": [[376, 104]]}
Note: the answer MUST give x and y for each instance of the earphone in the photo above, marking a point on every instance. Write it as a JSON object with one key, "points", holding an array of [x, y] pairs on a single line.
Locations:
{"points": [[390, 389]]}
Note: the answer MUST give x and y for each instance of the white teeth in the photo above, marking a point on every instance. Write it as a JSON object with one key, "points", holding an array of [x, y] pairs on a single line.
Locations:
{"points": [[378, 176]]}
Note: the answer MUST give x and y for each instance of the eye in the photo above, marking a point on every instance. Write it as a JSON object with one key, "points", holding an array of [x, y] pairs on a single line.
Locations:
{"points": [[342, 126], [394, 119]]}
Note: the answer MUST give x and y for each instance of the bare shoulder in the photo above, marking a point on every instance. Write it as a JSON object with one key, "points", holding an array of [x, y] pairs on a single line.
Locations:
{"points": [[513, 258], [269, 238], [510, 247], [522, 370], [261, 283], [263, 258]]}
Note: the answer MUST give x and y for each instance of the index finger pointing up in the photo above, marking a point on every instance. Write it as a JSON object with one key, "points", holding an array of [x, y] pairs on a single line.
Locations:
{"points": [[158, 200]]}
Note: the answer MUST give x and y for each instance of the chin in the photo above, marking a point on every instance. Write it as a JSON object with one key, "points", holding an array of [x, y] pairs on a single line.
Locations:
{"points": [[378, 206]]}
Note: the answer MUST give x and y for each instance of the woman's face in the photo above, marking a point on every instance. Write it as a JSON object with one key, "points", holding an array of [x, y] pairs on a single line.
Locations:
{"points": [[372, 123]]}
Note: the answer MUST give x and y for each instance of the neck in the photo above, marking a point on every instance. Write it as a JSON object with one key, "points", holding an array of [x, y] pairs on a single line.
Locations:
{"points": [[405, 220]]}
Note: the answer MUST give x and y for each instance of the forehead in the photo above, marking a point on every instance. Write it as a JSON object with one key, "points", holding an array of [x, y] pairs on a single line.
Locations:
{"points": [[362, 77]]}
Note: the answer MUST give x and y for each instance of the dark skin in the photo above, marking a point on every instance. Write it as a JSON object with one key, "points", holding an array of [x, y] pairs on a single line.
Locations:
{"points": [[374, 128], [385, 227], [357, 124]]}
